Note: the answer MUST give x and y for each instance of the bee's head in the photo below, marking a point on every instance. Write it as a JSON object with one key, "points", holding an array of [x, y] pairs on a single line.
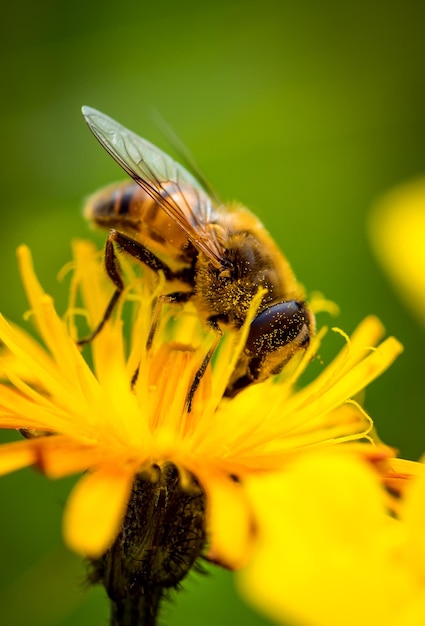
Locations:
{"points": [[275, 335], [279, 325]]}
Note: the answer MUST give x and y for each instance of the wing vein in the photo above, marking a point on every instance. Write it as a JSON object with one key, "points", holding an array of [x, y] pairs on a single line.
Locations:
{"points": [[167, 182]]}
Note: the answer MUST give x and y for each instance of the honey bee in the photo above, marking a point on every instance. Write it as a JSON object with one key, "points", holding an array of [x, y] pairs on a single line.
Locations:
{"points": [[219, 256]]}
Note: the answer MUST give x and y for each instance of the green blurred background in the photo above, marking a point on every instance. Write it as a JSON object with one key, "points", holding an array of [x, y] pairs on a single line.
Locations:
{"points": [[306, 112]]}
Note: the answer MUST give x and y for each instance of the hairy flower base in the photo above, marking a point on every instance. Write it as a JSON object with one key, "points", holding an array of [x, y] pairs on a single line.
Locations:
{"points": [[162, 535], [106, 419]]}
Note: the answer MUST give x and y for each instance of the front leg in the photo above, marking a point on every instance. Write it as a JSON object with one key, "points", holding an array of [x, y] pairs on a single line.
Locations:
{"points": [[178, 297], [139, 252], [212, 323]]}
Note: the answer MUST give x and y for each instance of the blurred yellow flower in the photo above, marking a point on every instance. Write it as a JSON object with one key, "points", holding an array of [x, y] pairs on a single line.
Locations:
{"points": [[105, 419], [398, 235], [327, 551]]}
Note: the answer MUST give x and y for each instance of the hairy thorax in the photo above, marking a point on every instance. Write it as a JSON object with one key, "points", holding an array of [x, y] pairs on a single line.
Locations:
{"points": [[226, 294]]}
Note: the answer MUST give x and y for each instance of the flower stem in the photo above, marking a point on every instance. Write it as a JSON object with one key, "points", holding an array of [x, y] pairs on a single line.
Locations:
{"points": [[162, 535], [137, 609]]}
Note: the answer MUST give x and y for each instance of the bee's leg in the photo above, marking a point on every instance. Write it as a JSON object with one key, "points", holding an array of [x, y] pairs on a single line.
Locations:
{"points": [[112, 269], [139, 252], [201, 371], [179, 297]]}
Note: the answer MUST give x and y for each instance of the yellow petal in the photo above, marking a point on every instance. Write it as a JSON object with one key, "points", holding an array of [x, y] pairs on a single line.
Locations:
{"points": [[55, 456], [90, 277], [413, 514], [398, 235], [61, 456], [229, 520], [16, 455], [53, 331], [318, 557], [95, 509]]}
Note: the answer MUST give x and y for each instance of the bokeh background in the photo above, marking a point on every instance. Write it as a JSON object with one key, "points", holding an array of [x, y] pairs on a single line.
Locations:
{"points": [[306, 112]]}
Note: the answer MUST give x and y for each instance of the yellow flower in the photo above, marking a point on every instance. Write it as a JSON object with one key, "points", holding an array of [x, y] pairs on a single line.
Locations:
{"points": [[115, 423], [398, 236], [329, 554]]}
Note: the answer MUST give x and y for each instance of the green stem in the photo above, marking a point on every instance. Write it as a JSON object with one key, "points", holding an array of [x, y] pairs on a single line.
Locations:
{"points": [[138, 609]]}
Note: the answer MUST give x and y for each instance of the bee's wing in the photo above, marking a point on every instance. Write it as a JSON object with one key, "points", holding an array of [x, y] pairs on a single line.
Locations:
{"points": [[154, 170]]}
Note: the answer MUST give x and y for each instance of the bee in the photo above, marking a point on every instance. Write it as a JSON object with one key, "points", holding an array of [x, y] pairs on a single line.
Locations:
{"points": [[219, 256]]}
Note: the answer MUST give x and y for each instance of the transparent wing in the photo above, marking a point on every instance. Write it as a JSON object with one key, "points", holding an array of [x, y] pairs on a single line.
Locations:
{"points": [[169, 184]]}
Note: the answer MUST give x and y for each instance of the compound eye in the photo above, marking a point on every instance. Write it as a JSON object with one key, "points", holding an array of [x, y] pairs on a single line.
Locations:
{"points": [[278, 326]]}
